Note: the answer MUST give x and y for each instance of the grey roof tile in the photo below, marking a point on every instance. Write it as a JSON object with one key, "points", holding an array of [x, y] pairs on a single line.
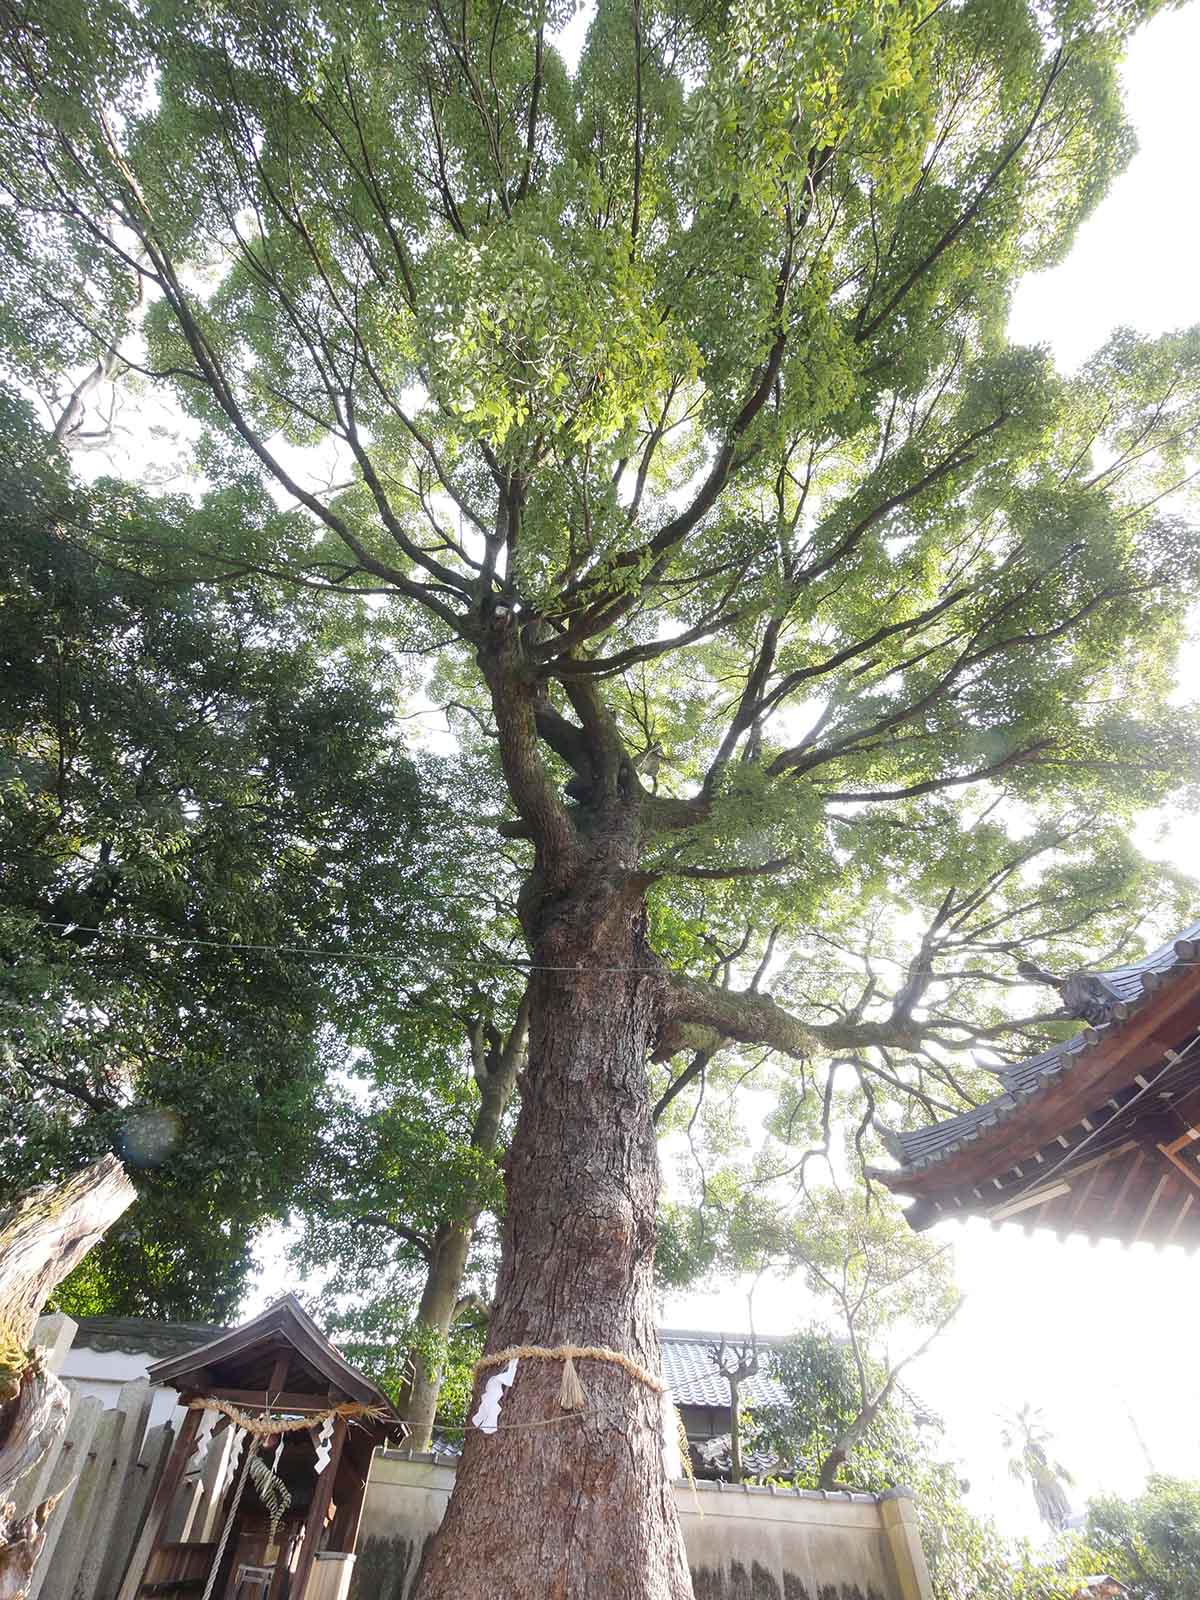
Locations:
{"points": [[1116, 992], [691, 1375], [148, 1334]]}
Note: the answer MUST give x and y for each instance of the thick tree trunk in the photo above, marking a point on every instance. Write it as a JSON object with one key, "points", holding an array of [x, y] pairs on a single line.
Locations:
{"points": [[496, 1076], [436, 1313], [575, 1505]]}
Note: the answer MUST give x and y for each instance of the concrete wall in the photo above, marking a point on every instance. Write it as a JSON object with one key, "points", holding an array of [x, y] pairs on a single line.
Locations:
{"points": [[742, 1544]]}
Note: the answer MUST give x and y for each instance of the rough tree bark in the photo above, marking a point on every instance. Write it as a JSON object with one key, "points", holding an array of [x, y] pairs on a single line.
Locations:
{"points": [[42, 1237], [578, 1248]]}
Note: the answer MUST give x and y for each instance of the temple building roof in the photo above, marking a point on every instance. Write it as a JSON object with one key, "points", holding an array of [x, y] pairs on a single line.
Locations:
{"points": [[240, 1362], [145, 1335], [1095, 1135]]}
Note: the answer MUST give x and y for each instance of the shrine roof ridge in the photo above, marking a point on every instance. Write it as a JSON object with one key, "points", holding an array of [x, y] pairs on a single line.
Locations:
{"points": [[1104, 1000], [285, 1319]]}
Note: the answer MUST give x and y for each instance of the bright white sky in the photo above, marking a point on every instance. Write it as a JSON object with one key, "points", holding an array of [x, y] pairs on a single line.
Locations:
{"points": [[1102, 1339]]}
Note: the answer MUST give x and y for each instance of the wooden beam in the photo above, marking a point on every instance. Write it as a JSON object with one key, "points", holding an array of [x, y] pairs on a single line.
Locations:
{"points": [[1026, 1202], [1166, 1178], [1085, 1192], [1189, 1201], [256, 1399], [168, 1486], [1135, 1166], [344, 1533], [279, 1372], [1189, 1168], [1004, 1195], [1105, 1156], [322, 1495], [1188, 1136]]}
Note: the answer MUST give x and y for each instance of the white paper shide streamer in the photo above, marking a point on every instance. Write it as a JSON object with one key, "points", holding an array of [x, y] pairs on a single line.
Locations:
{"points": [[235, 1455], [487, 1418], [324, 1445], [672, 1458]]}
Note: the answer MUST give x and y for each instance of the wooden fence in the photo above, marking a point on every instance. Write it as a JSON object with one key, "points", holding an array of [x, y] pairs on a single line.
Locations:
{"points": [[105, 1466]]}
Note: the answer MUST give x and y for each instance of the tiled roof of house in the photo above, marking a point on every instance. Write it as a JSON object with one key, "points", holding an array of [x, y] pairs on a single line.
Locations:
{"points": [[691, 1375], [1106, 999], [144, 1334]]}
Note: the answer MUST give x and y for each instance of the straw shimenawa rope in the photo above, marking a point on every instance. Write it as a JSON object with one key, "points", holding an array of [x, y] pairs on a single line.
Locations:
{"points": [[264, 1426], [571, 1396]]}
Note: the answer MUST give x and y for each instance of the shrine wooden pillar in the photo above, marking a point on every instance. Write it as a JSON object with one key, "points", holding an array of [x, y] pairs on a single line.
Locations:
{"points": [[344, 1533], [279, 1373], [317, 1512]]}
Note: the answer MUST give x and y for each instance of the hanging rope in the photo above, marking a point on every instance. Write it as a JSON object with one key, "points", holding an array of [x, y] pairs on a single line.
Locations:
{"points": [[263, 1425], [249, 1447]]}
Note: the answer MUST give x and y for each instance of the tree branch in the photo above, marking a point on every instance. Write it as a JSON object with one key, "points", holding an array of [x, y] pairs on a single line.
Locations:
{"points": [[419, 1242]]}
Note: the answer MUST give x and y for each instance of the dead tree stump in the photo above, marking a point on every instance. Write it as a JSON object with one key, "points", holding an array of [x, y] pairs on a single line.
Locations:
{"points": [[42, 1237]]}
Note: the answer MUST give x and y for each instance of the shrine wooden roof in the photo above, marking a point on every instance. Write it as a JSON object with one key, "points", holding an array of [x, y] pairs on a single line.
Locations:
{"points": [[1094, 1135], [240, 1361]]}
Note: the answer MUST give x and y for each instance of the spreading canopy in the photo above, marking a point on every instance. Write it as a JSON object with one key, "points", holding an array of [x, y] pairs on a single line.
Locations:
{"points": [[661, 394], [671, 388], [203, 806]]}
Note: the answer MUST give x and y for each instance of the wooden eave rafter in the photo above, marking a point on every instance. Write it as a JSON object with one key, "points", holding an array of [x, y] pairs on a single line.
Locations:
{"points": [[1129, 1193], [1097, 1076], [283, 1323], [1189, 1168]]}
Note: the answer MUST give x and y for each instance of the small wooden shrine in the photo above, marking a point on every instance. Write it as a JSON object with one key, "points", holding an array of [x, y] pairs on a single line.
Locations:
{"points": [[1099, 1135], [288, 1498]]}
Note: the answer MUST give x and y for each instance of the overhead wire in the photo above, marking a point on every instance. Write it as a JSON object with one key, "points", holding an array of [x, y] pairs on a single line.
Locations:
{"points": [[487, 963], [1040, 1179]]}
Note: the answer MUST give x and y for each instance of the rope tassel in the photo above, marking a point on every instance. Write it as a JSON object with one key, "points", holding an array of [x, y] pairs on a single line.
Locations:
{"points": [[570, 1395]]}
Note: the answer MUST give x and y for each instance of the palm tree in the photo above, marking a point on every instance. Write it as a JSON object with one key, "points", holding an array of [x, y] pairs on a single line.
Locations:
{"points": [[1026, 1435]]}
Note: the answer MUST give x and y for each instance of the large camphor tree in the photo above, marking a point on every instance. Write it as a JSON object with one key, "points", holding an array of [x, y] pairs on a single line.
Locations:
{"points": [[663, 396]]}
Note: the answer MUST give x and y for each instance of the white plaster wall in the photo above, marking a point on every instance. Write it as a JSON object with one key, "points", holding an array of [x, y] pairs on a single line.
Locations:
{"points": [[102, 1372]]}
